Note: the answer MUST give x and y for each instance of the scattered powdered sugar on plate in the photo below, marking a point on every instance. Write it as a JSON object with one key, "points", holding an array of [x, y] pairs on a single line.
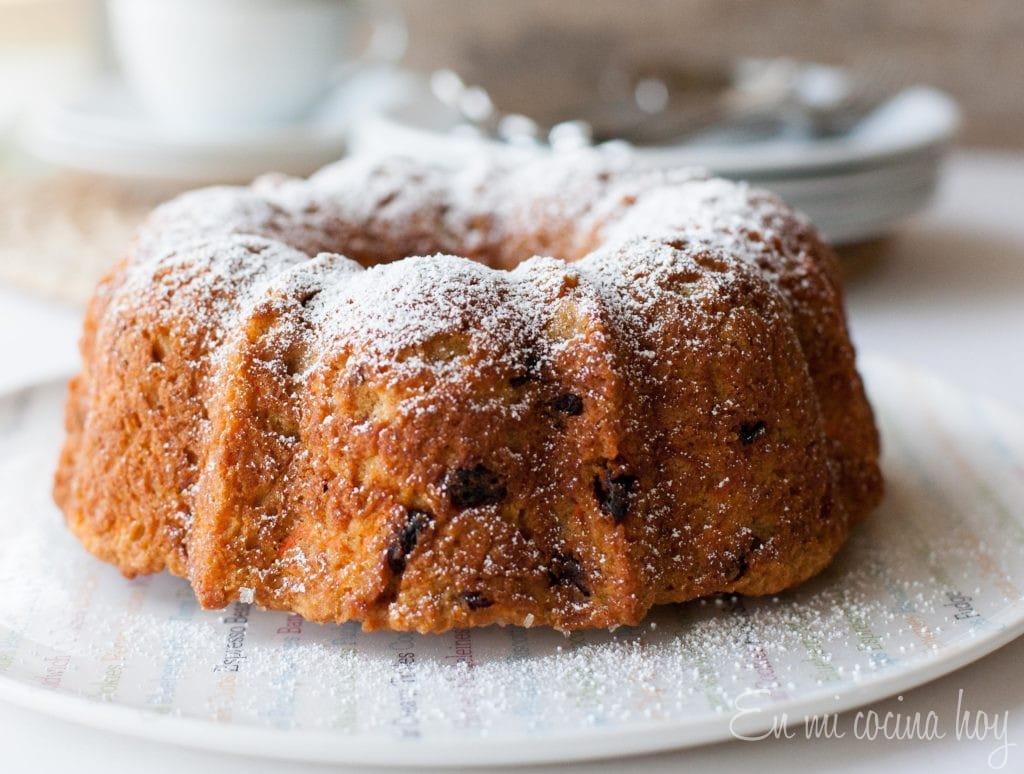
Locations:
{"points": [[931, 579]]}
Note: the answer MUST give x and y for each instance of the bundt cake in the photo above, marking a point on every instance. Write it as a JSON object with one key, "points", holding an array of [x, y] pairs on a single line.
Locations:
{"points": [[281, 406]]}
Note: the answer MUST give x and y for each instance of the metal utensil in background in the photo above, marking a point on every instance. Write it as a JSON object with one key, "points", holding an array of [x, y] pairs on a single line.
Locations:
{"points": [[755, 99]]}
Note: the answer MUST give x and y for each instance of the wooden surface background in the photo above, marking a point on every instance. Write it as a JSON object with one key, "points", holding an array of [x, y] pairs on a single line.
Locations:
{"points": [[974, 50], [58, 232]]}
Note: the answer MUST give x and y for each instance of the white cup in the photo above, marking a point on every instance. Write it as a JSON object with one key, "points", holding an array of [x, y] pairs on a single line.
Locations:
{"points": [[202, 66]]}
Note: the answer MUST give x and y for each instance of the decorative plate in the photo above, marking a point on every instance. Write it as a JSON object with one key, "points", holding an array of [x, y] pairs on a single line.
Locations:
{"points": [[929, 583]]}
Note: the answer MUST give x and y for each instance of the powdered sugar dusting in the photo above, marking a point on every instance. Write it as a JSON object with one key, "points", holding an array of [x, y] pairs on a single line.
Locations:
{"points": [[331, 329], [373, 211], [903, 596]]}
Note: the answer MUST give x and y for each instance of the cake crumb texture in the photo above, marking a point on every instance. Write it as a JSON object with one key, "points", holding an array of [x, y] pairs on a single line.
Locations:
{"points": [[555, 394]]}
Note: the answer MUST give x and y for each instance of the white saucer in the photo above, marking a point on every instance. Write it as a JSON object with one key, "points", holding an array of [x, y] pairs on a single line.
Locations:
{"points": [[853, 187], [857, 203], [104, 130], [929, 583]]}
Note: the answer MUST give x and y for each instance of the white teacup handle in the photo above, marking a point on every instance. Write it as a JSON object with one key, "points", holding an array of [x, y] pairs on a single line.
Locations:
{"points": [[389, 37]]}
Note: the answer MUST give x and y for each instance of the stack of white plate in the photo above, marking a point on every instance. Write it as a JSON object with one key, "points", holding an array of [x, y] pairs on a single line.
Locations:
{"points": [[854, 187], [104, 130]]}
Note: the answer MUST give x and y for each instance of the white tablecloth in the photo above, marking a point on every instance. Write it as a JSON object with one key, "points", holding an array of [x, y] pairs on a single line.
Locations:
{"points": [[945, 294]]}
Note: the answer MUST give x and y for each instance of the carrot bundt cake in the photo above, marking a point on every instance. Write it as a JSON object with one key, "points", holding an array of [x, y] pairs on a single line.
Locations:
{"points": [[358, 396]]}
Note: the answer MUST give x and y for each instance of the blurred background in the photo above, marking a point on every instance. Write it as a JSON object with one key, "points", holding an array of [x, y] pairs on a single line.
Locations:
{"points": [[973, 50], [96, 125], [897, 125]]}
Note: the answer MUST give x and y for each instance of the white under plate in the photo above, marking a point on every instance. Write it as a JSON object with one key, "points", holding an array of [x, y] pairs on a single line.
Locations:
{"points": [[918, 119], [104, 130], [854, 187], [929, 583]]}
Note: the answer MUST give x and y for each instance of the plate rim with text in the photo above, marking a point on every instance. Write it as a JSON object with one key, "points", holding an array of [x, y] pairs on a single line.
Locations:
{"points": [[638, 737]]}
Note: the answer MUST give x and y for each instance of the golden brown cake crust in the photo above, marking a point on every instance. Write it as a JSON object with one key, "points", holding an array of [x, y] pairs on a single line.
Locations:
{"points": [[669, 411]]}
